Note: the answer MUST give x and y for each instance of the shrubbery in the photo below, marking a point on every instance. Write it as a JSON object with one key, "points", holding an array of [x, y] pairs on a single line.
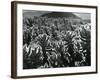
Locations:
{"points": [[55, 42]]}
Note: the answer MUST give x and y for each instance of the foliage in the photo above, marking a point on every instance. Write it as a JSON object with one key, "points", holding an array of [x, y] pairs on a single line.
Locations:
{"points": [[55, 42]]}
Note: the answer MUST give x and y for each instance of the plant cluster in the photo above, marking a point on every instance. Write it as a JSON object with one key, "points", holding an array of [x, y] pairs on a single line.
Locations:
{"points": [[55, 42]]}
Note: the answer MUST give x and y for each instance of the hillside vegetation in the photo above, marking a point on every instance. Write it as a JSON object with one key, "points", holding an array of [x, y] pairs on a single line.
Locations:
{"points": [[55, 42]]}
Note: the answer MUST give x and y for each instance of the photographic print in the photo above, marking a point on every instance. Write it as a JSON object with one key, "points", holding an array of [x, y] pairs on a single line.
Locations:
{"points": [[54, 40]]}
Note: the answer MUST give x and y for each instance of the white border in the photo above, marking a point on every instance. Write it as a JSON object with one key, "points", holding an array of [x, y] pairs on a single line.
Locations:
{"points": [[30, 72]]}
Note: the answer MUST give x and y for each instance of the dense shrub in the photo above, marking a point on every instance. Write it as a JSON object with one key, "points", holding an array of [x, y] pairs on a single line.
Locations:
{"points": [[55, 42]]}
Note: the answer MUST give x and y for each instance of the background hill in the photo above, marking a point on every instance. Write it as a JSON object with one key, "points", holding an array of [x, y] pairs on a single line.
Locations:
{"points": [[60, 14]]}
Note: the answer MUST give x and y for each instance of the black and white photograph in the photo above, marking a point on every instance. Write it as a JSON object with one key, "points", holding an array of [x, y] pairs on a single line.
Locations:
{"points": [[56, 39], [53, 39]]}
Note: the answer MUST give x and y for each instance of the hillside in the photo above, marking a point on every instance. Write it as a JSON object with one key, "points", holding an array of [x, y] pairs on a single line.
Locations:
{"points": [[60, 14]]}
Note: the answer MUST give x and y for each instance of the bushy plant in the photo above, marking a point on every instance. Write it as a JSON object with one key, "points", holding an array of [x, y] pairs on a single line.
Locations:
{"points": [[57, 43]]}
